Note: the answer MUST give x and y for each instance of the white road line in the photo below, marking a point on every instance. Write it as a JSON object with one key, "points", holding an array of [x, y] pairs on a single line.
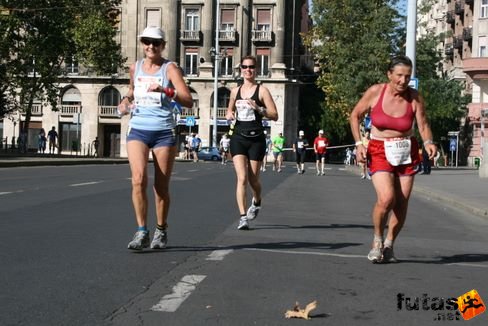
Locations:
{"points": [[308, 253], [219, 254], [181, 292], [353, 256], [10, 192], [85, 184], [469, 265]]}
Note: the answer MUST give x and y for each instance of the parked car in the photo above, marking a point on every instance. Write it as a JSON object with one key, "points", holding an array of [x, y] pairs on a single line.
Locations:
{"points": [[209, 154]]}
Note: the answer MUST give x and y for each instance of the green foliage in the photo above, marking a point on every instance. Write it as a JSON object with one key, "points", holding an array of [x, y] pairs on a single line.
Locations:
{"points": [[36, 38], [353, 41]]}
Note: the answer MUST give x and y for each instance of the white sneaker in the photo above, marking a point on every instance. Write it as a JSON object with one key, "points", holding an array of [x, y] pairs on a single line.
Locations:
{"points": [[253, 211], [243, 224]]}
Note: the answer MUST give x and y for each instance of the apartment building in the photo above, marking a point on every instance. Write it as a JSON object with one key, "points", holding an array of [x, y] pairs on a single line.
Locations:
{"points": [[267, 29], [464, 24]]}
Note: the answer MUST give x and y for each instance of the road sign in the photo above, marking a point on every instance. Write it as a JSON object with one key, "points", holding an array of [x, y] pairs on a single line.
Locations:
{"points": [[452, 144], [414, 83], [190, 121]]}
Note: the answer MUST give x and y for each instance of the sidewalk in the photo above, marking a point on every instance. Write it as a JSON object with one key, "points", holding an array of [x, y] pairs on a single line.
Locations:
{"points": [[459, 187]]}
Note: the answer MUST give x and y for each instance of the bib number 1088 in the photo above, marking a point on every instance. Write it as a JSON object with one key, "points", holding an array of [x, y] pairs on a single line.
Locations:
{"points": [[402, 144]]}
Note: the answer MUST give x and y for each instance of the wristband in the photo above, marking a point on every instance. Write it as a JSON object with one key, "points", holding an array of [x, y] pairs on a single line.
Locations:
{"points": [[261, 110], [359, 142], [127, 97], [428, 141]]}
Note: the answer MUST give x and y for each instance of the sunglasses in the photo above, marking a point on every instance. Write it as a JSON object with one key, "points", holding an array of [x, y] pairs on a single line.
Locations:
{"points": [[248, 67], [153, 41]]}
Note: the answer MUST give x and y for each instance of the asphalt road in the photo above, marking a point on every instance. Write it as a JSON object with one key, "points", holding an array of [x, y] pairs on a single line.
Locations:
{"points": [[64, 260]]}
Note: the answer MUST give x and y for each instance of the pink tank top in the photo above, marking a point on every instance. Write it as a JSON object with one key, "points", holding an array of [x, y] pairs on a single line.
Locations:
{"points": [[381, 120]]}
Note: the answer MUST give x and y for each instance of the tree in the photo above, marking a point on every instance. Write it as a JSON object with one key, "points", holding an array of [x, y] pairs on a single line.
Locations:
{"points": [[37, 37], [353, 41]]}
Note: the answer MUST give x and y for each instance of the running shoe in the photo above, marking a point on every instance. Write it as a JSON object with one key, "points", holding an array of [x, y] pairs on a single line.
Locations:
{"points": [[318, 173], [303, 171], [375, 255], [389, 256], [140, 241], [253, 211], [323, 173], [243, 224], [160, 239]]}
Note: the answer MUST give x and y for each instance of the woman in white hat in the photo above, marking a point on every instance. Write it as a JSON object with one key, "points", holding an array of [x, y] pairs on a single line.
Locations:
{"points": [[155, 83]]}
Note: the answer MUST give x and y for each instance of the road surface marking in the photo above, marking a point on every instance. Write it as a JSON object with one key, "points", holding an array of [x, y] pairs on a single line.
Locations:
{"points": [[469, 265], [181, 292], [219, 254], [85, 184], [10, 192]]}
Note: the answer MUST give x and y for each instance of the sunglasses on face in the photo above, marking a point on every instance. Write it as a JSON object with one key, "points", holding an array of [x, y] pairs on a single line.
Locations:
{"points": [[248, 67], [153, 41]]}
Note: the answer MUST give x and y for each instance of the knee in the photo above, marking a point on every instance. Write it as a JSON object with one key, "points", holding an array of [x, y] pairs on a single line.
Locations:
{"points": [[385, 203], [139, 181]]}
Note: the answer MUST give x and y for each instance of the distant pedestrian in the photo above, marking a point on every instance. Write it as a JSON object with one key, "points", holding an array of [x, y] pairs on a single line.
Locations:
{"points": [[96, 144], [195, 146], [426, 167], [300, 149], [278, 144], [52, 137], [224, 148], [269, 145], [364, 165], [42, 139], [320, 144]]}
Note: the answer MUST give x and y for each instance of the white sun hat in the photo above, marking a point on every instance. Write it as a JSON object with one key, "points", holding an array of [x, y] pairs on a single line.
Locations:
{"points": [[153, 32]]}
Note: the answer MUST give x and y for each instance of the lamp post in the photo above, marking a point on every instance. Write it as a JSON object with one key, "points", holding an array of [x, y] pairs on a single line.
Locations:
{"points": [[411, 32], [216, 72]]}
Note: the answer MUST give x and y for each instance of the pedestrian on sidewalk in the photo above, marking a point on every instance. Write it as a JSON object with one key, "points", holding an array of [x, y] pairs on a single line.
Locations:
{"points": [[320, 144], [392, 151], [96, 144], [52, 136], [300, 149], [268, 149], [154, 83], [248, 104]]}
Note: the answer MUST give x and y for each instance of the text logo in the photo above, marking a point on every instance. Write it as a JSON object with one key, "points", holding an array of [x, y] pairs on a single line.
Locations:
{"points": [[470, 305]]}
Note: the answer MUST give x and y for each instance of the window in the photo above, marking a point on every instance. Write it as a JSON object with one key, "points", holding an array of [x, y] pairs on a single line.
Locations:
{"points": [[483, 46], [484, 9], [262, 56], [227, 21], [191, 56], [226, 63], [71, 65], [153, 17], [263, 22], [109, 97], [192, 20]]}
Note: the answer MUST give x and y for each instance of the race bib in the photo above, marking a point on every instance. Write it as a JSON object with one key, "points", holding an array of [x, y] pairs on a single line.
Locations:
{"points": [[300, 144], [321, 143], [144, 98], [397, 151], [245, 112]]}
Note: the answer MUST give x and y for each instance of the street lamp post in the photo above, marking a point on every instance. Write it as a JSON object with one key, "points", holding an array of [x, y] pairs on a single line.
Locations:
{"points": [[216, 72], [411, 32]]}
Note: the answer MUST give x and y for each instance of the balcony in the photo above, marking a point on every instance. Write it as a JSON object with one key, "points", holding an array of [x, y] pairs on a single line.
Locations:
{"points": [[36, 110], [227, 36], [459, 7], [189, 112], [467, 33], [190, 36], [450, 17], [221, 112], [458, 42], [449, 49], [107, 111], [476, 68], [261, 36], [69, 110]]}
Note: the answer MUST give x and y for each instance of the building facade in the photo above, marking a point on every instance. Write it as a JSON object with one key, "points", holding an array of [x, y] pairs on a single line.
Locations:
{"points": [[267, 29], [464, 25]]}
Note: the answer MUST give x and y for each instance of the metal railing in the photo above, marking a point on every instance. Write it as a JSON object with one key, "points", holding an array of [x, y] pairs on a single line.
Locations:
{"points": [[261, 36], [227, 36], [190, 35], [189, 112]]}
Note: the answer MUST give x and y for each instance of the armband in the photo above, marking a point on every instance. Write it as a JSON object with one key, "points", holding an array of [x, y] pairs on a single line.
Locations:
{"points": [[261, 110], [359, 142]]}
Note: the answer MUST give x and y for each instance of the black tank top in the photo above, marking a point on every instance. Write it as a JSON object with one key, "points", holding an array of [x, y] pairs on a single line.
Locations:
{"points": [[257, 123]]}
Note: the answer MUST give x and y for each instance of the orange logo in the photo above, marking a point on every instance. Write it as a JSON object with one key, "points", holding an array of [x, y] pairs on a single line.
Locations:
{"points": [[470, 305]]}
